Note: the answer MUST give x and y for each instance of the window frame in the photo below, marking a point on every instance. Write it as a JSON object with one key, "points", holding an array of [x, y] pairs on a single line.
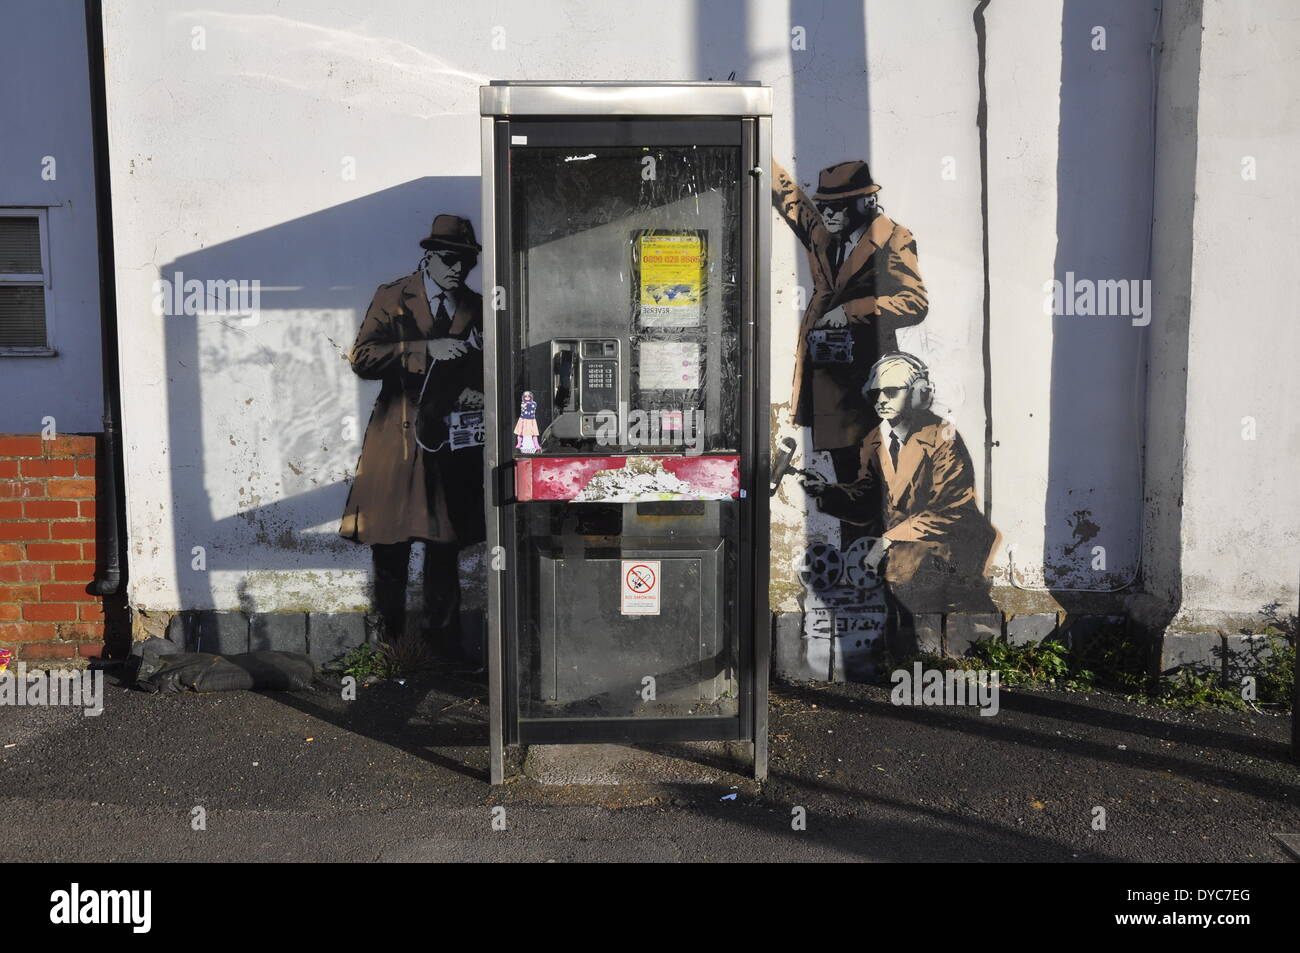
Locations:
{"points": [[44, 279]]}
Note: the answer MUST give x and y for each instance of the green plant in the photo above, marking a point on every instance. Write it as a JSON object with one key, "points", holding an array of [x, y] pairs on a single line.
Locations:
{"points": [[365, 661], [1275, 671], [1190, 689], [1277, 675], [1111, 658], [1029, 664], [396, 659]]}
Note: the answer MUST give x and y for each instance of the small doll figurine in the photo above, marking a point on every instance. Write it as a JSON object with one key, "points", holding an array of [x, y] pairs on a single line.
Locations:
{"points": [[526, 427]]}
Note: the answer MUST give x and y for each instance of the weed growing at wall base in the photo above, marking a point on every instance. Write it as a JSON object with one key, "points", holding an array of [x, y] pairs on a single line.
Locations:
{"points": [[397, 658], [1025, 664], [1274, 668], [1113, 659], [365, 662]]}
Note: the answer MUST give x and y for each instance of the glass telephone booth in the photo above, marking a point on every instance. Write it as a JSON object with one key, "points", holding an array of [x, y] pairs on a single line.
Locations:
{"points": [[626, 368]]}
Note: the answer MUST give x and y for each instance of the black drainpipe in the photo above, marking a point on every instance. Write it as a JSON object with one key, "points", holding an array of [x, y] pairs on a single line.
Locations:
{"points": [[110, 575]]}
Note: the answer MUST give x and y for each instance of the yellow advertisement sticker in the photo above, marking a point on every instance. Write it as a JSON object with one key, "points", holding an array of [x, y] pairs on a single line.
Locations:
{"points": [[672, 280]]}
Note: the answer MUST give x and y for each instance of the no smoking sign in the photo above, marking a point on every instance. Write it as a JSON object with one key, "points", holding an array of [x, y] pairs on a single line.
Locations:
{"points": [[640, 587]]}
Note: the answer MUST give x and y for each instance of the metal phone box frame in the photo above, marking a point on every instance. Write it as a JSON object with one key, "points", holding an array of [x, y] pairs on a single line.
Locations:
{"points": [[567, 318]]}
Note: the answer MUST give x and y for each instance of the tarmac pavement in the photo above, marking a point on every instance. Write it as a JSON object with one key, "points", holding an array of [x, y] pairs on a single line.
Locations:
{"points": [[400, 775]]}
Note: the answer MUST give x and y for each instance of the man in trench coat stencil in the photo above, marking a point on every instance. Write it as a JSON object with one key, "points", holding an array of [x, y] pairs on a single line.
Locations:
{"points": [[866, 284], [914, 491], [422, 338]]}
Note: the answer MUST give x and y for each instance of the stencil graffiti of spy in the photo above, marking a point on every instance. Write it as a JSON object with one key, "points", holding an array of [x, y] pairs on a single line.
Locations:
{"points": [[914, 492], [420, 475], [866, 284]]}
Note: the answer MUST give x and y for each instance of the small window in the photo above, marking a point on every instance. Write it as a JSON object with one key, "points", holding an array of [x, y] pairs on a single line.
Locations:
{"points": [[24, 278]]}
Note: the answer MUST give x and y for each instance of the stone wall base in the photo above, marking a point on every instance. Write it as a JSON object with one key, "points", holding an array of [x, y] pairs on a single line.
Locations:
{"points": [[799, 654], [325, 636]]}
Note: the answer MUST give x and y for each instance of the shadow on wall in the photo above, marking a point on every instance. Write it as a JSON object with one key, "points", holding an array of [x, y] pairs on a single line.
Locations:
{"points": [[862, 591], [266, 416], [1093, 505], [843, 613], [1105, 169]]}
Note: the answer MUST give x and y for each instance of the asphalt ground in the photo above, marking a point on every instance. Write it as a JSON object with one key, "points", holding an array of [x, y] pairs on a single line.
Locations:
{"points": [[400, 775]]}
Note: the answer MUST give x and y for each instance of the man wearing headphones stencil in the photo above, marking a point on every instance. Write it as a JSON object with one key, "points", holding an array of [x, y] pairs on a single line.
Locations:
{"points": [[915, 488]]}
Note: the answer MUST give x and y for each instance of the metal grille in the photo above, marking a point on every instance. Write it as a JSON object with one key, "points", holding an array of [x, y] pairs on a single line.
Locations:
{"points": [[20, 245], [22, 316], [22, 302]]}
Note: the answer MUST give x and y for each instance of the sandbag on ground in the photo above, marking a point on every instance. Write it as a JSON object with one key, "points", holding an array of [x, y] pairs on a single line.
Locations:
{"points": [[205, 672]]}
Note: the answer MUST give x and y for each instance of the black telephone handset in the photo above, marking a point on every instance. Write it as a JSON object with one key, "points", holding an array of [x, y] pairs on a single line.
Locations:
{"points": [[564, 381]]}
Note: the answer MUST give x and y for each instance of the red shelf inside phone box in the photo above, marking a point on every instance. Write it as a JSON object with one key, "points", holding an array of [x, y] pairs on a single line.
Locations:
{"points": [[628, 478]]}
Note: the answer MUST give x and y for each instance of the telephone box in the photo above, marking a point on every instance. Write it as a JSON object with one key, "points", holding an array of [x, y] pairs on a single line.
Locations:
{"points": [[625, 286]]}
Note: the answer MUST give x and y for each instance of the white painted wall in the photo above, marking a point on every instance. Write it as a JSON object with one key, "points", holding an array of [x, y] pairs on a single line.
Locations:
{"points": [[45, 111], [1241, 513], [227, 162]]}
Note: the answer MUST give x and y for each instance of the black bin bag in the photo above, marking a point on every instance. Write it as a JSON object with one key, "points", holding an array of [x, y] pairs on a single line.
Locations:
{"points": [[205, 672]]}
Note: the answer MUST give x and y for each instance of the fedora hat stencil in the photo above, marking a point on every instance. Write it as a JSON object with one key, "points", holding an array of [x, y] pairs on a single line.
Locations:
{"points": [[451, 231], [844, 180]]}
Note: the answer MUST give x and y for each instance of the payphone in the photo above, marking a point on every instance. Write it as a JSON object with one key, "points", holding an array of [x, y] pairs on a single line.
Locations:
{"points": [[585, 381], [626, 354]]}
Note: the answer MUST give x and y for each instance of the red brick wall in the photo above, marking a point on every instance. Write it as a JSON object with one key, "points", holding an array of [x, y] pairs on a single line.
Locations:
{"points": [[48, 494]]}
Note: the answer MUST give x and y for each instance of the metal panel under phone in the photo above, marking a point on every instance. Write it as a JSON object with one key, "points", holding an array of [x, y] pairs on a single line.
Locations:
{"points": [[588, 646]]}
